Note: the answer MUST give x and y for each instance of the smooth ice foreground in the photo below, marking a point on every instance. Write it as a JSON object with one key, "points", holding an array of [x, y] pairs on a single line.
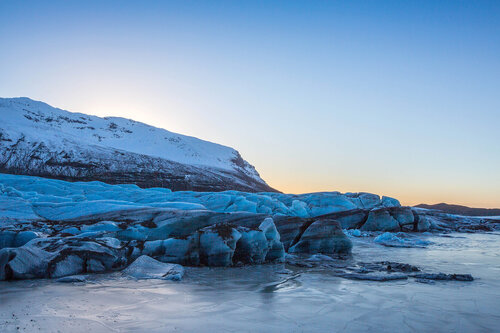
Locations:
{"points": [[275, 297]]}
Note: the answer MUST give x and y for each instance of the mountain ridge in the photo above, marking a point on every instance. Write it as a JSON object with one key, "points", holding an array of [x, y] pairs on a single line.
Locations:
{"points": [[40, 140], [461, 210]]}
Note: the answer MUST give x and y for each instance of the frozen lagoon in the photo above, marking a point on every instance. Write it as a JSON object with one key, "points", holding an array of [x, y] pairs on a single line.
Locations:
{"points": [[268, 298]]}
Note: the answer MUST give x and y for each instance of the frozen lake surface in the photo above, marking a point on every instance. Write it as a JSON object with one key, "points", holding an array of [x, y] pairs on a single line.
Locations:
{"points": [[270, 298]]}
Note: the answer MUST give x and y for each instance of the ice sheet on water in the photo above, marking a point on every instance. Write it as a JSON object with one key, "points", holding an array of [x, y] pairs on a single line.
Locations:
{"points": [[212, 300]]}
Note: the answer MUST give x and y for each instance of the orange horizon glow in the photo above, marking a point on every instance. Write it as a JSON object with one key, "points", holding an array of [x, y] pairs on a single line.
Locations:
{"points": [[409, 196]]}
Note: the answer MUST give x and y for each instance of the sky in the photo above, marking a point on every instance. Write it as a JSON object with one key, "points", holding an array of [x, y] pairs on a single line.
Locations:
{"points": [[399, 98]]}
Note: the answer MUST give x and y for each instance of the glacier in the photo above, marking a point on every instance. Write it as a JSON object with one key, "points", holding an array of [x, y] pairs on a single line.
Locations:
{"points": [[53, 228]]}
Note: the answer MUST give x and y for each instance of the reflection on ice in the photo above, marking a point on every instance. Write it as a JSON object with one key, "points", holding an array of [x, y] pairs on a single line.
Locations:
{"points": [[287, 284]]}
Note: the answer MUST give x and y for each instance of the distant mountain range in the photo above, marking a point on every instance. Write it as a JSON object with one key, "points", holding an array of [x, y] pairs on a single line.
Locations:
{"points": [[462, 210], [39, 140]]}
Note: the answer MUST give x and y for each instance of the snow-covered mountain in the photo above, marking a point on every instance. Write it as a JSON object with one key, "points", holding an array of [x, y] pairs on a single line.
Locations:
{"points": [[37, 139]]}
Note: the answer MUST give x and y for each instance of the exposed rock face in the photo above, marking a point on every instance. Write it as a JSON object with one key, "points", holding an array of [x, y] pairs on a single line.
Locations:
{"points": [[37, 139]]}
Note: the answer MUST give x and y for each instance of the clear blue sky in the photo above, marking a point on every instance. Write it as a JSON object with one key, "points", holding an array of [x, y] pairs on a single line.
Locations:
{"points": [[393, 97]]}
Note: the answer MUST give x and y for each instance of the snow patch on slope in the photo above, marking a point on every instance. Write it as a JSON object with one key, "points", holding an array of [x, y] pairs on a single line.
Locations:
{"points": [[39, 122]]}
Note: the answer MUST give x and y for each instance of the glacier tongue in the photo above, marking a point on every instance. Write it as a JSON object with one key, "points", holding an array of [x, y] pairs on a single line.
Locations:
{"points": [[53, 228]]}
